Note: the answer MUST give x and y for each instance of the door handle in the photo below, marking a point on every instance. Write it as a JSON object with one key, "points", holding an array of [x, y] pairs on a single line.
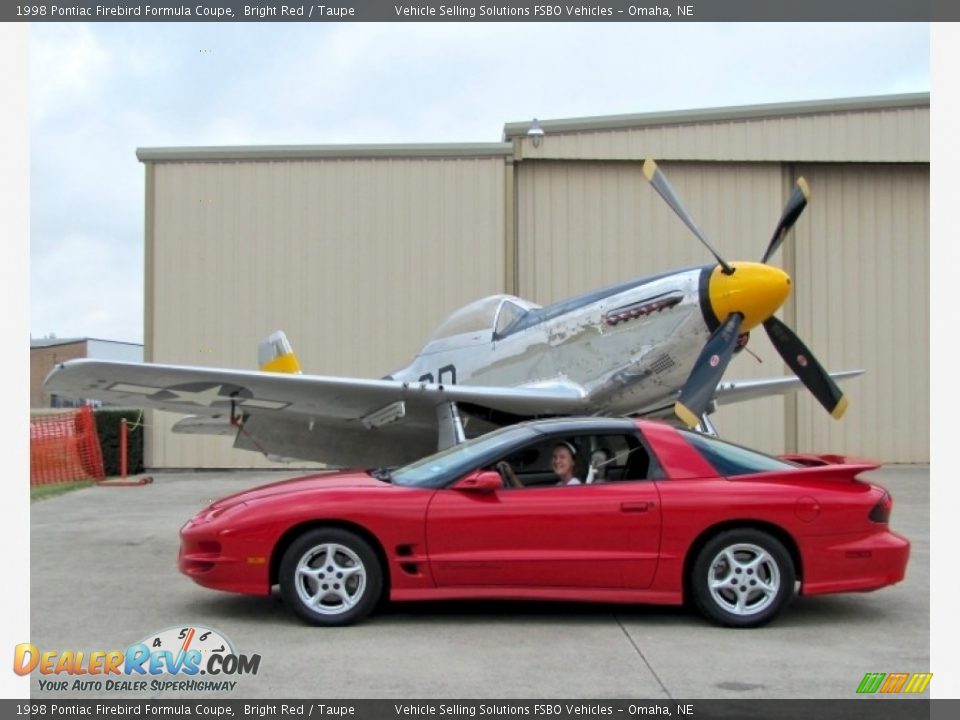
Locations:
{"points": [[636, 506]]}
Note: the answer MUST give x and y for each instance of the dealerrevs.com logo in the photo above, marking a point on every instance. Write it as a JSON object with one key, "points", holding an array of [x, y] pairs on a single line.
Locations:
{"points": [[890, 683], [169, 660]]}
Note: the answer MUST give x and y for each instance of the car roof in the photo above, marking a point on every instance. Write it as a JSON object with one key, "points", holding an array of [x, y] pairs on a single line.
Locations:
{"points": [[581, 424]]}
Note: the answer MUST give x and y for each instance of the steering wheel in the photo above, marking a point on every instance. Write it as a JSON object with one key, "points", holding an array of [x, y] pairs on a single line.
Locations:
{"points": [[509, 477]]}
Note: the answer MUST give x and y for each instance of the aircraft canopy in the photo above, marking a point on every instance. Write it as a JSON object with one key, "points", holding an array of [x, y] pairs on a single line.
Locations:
{"points": [[493, 313]]}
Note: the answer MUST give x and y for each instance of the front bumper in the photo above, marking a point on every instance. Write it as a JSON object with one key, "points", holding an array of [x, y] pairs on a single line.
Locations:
{"points": [[218, 559]]}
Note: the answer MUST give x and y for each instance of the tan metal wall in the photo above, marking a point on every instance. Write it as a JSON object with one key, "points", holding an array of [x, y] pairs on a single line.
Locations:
{"points": [[356, 259], [859, 259], [584, 225], [883, 134], [863, 300]]}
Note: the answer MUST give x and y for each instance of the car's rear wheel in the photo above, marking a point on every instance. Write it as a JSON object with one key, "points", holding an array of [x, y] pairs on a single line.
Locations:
{"points": [[742, 578], [330, 576]]}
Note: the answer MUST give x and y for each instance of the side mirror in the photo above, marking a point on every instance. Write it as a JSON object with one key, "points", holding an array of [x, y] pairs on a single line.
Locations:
{"points": [[484, 481]]}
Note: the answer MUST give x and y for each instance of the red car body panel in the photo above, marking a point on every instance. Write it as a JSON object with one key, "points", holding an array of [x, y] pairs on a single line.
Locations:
{"points": [[572, 537], [627, 541], [234, 550]]}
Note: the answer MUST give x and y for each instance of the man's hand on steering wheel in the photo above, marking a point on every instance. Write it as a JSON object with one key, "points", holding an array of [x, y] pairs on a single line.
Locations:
{"points": [[509, 477]]}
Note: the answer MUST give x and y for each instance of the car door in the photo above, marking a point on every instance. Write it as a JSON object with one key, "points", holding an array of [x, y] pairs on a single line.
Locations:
{"points": [[577, 536]]}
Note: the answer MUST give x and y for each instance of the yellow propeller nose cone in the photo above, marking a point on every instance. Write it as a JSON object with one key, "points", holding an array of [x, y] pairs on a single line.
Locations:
{"points": [[754, 290]]}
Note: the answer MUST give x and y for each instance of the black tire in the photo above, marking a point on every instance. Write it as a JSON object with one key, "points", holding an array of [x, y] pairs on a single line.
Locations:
{"points": [[742, 578], [331, 577]]}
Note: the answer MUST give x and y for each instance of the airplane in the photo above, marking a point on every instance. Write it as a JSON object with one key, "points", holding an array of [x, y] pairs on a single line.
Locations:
{"points": [[651, 346]]}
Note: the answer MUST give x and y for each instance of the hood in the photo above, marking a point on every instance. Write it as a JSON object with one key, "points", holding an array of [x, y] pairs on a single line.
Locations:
{"points": [[310, 483]]}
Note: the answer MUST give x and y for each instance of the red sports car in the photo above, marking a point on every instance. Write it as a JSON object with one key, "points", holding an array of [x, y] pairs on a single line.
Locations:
{"points": [[652, 514]]}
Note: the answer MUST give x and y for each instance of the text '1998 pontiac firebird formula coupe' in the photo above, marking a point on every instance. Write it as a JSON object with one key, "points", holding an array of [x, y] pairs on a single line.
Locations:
{"points": [[651, 514]]}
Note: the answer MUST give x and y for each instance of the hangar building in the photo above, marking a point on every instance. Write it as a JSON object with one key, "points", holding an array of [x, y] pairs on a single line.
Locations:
{"points": [[45, 353], [358, 252]]}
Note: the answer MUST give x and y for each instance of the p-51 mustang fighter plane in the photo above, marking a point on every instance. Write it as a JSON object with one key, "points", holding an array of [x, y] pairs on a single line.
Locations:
{"points": [[655, 346]]}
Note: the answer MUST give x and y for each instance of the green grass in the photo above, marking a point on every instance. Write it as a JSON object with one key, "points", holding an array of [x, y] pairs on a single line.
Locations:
{"points": [[44, 492]]}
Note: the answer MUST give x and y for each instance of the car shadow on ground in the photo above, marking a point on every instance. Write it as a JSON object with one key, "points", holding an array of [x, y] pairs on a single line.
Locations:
{"points": [[843, 611], [273, 609]]}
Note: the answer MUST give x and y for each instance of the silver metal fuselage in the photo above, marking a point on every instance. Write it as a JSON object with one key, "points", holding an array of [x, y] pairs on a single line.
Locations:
{"points": [[629, 348]]}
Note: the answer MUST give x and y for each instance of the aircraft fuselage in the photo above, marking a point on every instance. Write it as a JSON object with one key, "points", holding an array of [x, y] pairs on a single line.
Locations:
{"points": [[629, 347]]}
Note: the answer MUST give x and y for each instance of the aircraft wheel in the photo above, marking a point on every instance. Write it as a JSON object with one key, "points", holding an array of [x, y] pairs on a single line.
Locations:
{"points": [[330, 577], [742, 578]]}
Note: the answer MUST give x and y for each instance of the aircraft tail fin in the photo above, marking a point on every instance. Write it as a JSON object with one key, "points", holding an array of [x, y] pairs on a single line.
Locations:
{"points": [[275, 354]]}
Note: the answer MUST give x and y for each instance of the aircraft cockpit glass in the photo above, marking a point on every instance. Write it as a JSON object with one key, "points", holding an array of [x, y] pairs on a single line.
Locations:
{"points": [[510, 311], [493, 312], [475, 317]]}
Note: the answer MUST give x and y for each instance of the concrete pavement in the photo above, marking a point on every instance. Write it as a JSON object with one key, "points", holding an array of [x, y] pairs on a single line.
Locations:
{"points": [[104, 576]]}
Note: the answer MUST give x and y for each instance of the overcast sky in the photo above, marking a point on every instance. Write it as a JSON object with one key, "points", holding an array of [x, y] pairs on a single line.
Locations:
{"points": [[99, 91]]}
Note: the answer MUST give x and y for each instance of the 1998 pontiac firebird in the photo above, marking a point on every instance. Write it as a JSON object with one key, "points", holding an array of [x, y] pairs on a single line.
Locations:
{"points": [[658, 515]]}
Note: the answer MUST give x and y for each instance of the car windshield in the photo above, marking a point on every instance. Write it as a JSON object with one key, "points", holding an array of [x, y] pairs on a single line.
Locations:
{"points": [[448, 465], [729, 459]]}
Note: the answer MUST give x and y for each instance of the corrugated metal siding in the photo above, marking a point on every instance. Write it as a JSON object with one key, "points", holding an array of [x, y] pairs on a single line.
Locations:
{"points": [[358, 256], [862, 278], [584, 225], [356, 259], [877, 135]]}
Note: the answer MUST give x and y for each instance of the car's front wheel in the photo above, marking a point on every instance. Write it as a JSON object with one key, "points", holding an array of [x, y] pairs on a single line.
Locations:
{"points": [[742, 578], [330, 576]]}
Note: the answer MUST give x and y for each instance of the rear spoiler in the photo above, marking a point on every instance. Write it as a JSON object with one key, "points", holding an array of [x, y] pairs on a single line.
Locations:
{"points": [[815, 460], [835, 466]]}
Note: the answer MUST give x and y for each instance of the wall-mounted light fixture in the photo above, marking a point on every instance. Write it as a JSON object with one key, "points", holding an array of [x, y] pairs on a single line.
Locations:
{"points": [[535, 133]]}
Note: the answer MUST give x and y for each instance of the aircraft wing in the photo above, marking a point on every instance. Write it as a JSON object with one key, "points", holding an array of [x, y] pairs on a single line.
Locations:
{"points": [[205, 425], [740, 390], [340, 421]]}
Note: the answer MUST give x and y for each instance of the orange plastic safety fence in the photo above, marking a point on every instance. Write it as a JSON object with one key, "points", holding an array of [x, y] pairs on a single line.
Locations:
{"points": [[65, 448]]}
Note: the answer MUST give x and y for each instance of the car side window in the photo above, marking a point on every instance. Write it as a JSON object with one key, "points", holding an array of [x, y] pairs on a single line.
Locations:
{"points": [[529, 466], [627, 459], [731, 460], [598, 459]]}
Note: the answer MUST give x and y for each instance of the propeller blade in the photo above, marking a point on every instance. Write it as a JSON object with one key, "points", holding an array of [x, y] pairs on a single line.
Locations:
{"points": [[707, 371], [664, 189], [806, 367], [791, 211]]}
